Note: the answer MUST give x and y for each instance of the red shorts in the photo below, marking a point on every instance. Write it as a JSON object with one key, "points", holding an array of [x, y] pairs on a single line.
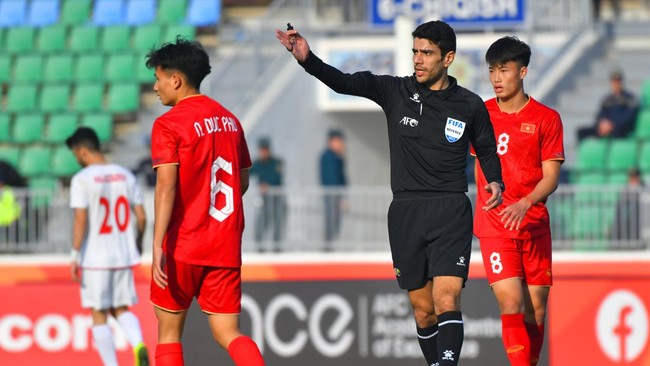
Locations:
{"points": [[217, 289], [528, 259]]}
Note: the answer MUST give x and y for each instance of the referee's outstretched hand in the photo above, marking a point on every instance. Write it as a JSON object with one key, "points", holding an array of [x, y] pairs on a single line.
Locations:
{"points": [[496, 199], [294, 43]]}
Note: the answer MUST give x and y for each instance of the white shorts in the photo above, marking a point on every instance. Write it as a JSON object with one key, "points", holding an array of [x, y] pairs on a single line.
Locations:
{"points": [[102, 289]]}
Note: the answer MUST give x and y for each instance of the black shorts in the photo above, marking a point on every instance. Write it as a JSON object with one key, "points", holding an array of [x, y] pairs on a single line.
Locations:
{"points": [[430, 236]]}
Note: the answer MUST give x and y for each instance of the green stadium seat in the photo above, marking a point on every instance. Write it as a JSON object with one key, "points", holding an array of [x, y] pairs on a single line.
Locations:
{"points": [[115, 38], [58, 68], [2, 38], [51, 39], [88, 97], [64, 163], [120, 67], [642, 128], [592, 221], [44, 188], [645, 94], [89, 67], [83, 38], [617, 179], [174, 30], [124, 97], [34, 161], [21, 98], [19, 40], [147, 37], [143, 74], [592, 154], [27, 128], [623, 155], [172, 11], [591, 178], [644, 158], [102, 123], [54, 98], [10, 154], [75, 12], [5, 127], [5, 68], [28, 68], [60, 126]]}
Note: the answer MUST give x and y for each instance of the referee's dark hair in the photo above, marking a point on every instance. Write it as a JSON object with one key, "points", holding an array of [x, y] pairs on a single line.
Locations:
{"points": [[439, 33], [508, 49], [83, 136], [185, 56]]}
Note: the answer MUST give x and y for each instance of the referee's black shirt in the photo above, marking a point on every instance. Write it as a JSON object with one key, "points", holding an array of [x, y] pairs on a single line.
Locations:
{"points": [[422, 124]]}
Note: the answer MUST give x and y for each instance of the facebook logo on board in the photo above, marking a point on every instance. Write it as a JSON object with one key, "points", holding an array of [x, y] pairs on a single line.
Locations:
{"points": [[622, 326]]}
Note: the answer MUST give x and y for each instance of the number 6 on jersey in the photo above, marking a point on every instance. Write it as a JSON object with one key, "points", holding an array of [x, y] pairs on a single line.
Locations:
{"points": [[217, 186]]}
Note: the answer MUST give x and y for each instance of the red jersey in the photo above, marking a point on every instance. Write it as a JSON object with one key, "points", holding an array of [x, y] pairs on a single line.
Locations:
{"points": [[207, 143], [524, 140]]}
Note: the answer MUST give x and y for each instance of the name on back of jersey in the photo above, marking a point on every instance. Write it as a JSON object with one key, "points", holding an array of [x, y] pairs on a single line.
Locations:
{"points": [[110, 178], [212, 124]]}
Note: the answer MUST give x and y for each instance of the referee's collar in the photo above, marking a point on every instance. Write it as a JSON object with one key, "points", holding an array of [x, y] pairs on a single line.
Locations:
{"points": [[441, 94]]}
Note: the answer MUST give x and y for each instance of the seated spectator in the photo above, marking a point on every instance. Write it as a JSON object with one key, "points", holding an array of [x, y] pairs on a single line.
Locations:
{"points": [[617, 114]]}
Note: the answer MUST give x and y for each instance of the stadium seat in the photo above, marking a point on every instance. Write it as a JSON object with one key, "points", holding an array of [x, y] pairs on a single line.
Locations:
{"points": [[623, 155], [54, 98], [83, 38], [645, 95], [146, 37], [44, 188], [592, 221], [115, 38], [173, 30], [75, 12], [64, 163], [617, 179], [10, 154], [58, 68], [5, 68], [34, 161], [13, 13], [591, 178], [642, 128], [123, 97], [119, 67], [102, 123], [51, 39], [43, 12], [142, 74], [60, 126], [591, 154], [108, 12], [644, 158], [89, 67], [88, 97], [172, 11], [21, 98], [19, 40], [28, 68], [5, 127], [204, 12], [140, 12], [27, 128]]}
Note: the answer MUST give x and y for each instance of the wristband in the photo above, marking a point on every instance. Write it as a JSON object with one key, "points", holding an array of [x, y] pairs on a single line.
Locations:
{"points": [[74, 255]]}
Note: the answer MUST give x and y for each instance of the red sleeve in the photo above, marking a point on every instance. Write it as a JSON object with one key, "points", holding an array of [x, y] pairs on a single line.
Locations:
{"points": [[471, 150], [164, 145], [552, 139]]}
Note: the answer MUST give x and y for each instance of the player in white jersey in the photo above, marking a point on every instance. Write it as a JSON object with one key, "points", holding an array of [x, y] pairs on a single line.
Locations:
{"points": [[104, 245]]}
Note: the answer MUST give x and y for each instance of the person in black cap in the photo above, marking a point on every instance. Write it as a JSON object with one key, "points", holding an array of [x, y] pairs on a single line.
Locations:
{"points": [[332, 178], [618, 111], [271, 211]]}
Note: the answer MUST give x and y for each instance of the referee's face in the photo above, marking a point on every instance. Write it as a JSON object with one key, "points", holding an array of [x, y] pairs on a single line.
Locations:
{"points": [[429, 64]]}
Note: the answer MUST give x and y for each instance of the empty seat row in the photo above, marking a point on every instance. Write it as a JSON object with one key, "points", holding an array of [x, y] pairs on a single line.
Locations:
{"points": [[87, 38], [70, 68], [122, 97], [29, 128], [38, 13], [41, 160], [617, 155]]}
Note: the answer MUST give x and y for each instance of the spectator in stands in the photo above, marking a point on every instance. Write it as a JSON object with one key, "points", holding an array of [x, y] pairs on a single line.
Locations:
{"points": [[9, 208], [332, 176], [616, 8], [617, 114], [627, 224], [271, 211], [11, 175]]}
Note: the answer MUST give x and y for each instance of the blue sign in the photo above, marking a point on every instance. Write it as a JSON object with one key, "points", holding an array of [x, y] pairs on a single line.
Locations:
{"points": [[458, 13]]}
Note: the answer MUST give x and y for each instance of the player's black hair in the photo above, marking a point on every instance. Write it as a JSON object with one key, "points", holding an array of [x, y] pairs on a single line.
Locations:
{"points": [[438, 33], [83, 136], [185, 56], [508, 49]]}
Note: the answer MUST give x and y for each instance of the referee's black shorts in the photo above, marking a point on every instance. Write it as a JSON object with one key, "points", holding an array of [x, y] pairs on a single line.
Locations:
{"points": [[430, 235]]}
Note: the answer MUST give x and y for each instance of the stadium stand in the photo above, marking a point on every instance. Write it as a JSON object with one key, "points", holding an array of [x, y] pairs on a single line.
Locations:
{"points": [[12, 13], [43, 12], [51, 39], [140, 12]]}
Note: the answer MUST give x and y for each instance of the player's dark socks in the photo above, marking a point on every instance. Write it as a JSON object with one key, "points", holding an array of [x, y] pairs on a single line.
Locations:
{"points": [[450, 337], [244, 352], [536, 336], [515, 339], [169, 354], [428, 339]]}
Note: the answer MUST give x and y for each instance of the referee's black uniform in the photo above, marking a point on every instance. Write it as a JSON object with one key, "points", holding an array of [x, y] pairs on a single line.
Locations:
{"points": [[429, 132]]}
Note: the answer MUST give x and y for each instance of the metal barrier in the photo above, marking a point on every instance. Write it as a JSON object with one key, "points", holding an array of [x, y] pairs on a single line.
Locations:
{"points": [[590, 218]]}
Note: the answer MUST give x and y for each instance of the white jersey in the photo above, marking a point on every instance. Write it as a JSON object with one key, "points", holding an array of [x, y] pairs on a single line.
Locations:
{"points": [[109, 192]]}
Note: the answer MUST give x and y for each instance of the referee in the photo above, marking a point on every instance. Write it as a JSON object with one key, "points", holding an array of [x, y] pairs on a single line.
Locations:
{"points": [[431, 123]]}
